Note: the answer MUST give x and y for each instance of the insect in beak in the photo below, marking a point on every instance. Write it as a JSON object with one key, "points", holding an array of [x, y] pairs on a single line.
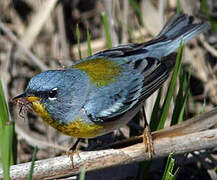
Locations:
{"points": [[25, 102]]}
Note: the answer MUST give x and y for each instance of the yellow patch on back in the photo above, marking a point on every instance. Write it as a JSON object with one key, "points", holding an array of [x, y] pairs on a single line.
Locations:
{"points": [[76, 128], [101, 71]]}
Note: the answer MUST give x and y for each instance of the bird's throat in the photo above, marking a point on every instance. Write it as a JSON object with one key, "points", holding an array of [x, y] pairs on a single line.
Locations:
{"points": [[75, 128]]}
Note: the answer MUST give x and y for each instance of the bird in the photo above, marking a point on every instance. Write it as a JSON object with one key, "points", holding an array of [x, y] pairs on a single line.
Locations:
{"points": [[103, 92]]}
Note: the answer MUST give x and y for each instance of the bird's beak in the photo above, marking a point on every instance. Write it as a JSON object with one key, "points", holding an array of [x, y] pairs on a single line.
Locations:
{"points": [[25, 97], [20, 96]]}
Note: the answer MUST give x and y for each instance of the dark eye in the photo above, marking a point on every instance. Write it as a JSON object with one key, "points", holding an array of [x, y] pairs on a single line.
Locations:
{"points": [[52, 93]]}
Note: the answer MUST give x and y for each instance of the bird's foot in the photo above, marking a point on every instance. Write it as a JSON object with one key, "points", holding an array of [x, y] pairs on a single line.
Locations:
{"points": [[71, 153], [147, 140], [73, 150]]}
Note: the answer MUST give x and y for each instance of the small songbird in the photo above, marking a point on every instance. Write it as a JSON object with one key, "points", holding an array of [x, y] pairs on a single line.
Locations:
{"points": [[103, 92]]}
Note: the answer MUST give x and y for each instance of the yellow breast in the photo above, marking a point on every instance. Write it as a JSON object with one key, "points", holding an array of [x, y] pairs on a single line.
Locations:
{"points": [[77, 128]]}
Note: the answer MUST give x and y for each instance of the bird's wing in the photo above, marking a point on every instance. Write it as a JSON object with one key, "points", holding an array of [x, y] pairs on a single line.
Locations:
{"points": [[137, 81], [144, 67]]}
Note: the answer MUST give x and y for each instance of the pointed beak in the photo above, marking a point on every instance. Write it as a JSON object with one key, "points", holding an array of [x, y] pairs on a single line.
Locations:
{"points": [[25, 97], [20, 97]]}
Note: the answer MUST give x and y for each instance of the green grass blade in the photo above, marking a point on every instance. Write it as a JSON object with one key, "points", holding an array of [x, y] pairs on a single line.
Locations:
{"points": [[204, 106], [178, 8], [6, 136], [204, 7], [168, 172], [78, 40], [171, 88], [108, 37], [136, 9], [155, 112], [211, 19], [6, 148], [14, 147], [185, 98], [213, 23], [33, 163], [4, 118], [181, 114], [89, 43], [181, 98], [82, 174]]}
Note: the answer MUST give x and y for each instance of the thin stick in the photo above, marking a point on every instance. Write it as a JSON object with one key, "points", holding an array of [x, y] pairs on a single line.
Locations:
{"points": [[125, 22], [61, 26], [38, 19], [206, 45], [13, 38]]}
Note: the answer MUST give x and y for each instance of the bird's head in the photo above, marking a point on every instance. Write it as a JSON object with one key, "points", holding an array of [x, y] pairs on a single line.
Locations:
{"points": [[55, 93]]}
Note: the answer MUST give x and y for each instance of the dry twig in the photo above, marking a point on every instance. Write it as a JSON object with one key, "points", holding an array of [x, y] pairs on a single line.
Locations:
{"points": [[37, 22], [13, 38], [151, 22], [63, 38], [206, 45]]}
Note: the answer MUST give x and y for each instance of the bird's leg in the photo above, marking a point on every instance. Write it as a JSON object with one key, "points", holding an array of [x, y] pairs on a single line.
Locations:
{"points": [[73, 150], [147, 137]]}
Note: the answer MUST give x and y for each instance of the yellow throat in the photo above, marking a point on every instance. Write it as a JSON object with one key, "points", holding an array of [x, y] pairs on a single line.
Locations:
{"points": [[77, 128]]}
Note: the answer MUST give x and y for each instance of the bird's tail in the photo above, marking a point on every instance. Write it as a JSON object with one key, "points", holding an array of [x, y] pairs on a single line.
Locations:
{"points": [[179, 27]]}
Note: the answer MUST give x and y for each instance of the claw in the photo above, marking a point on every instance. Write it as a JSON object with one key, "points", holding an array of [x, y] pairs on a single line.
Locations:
{"points": [[71, 154], [147, 140], [72, 151]]}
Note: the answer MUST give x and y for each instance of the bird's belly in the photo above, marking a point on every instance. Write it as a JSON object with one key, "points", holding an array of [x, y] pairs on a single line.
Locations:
{"points": [[79, 128]]}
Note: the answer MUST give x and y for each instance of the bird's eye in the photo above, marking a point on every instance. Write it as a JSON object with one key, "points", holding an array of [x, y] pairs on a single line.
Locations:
{"points": [[52, 93]]}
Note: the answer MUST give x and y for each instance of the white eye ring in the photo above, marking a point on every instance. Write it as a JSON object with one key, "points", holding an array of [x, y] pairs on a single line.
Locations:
{"points": [[52, 99], [53, 93]]}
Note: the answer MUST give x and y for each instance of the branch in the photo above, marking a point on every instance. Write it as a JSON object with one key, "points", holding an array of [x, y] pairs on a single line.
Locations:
{"points": [[188, 136], [37, 21], [14, 39]]}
